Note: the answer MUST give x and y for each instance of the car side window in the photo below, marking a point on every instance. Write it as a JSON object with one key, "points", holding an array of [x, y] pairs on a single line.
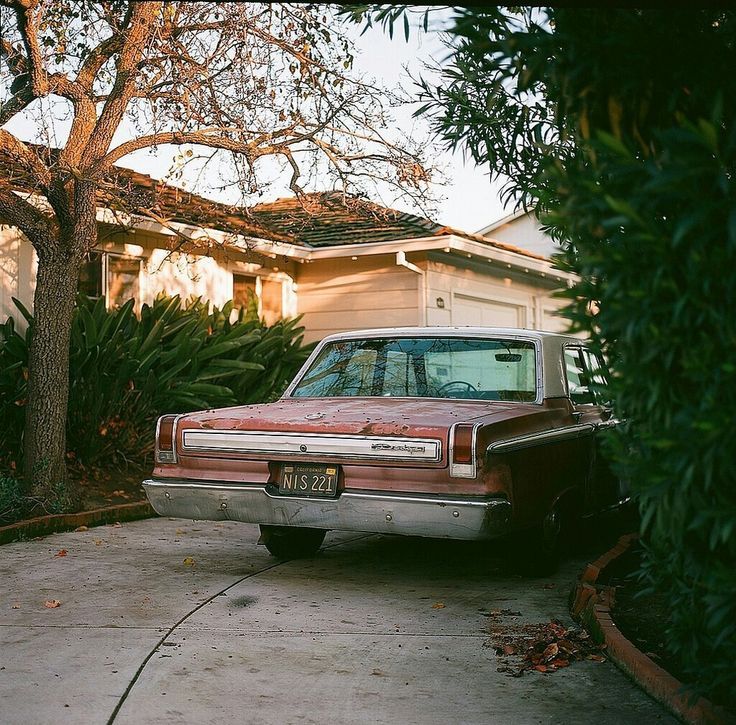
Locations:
{"points": [[578, 383], [597, 377]]}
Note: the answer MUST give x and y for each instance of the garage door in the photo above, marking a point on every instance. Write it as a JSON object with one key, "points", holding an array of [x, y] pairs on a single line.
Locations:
{"points": [[475, 311]]}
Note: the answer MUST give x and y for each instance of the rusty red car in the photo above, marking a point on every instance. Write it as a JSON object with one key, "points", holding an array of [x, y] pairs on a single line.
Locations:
{"points": [[461, 433]]}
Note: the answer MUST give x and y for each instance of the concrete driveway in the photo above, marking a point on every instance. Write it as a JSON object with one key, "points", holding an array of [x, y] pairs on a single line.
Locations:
{"points": [[167, 621]]}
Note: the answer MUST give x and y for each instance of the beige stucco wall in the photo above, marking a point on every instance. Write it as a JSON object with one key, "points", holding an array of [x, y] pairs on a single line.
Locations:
{"points": [[209, 277], [352, 294], [17, 272], [332, 294], [341, 294]]}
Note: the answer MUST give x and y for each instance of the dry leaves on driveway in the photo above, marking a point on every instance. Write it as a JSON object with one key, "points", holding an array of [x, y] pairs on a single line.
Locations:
{"points": [[544, 647], [52, 603]]}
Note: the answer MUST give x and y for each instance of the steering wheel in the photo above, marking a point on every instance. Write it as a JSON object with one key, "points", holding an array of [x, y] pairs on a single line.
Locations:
{"points": [[457, 383]]}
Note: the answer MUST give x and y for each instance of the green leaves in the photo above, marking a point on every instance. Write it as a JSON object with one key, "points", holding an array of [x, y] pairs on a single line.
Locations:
{"points": [[125, 371], [625, 147]]}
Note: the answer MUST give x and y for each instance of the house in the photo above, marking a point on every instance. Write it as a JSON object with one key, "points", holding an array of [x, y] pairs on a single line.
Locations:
{"points": [[341, 262], [522, 229]]}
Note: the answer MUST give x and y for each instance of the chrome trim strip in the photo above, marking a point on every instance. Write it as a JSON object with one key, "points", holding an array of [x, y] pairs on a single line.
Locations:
{"points": [[555, 435], [610, 423], [310, 445], [414, 515], [463, 470]]}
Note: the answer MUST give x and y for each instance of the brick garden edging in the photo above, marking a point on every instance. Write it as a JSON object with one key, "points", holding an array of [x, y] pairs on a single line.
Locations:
{"points": [[592, 606], [54, 523]]}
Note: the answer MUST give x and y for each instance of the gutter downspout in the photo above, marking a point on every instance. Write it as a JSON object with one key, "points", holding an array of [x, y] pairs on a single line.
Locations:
{"points": [[401, 261]]}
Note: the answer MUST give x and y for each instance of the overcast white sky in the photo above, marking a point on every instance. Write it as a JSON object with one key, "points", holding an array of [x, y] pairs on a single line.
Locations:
{"points": [[469, 200]]}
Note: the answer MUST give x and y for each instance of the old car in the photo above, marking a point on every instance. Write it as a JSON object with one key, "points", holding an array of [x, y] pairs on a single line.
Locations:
{"points": [[462, 433]]}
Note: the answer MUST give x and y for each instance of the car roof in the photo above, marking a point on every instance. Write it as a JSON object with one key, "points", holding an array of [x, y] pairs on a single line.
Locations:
{"points": [[437, 331]]}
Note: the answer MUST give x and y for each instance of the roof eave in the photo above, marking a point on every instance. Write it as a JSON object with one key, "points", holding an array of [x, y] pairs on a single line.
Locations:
{"points": [[518, 261]]}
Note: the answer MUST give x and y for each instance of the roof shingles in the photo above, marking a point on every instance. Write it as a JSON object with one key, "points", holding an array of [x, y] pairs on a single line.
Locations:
{"points": [[321, 219]]}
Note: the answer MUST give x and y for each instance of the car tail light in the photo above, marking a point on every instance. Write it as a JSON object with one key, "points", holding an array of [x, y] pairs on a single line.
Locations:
{"points": [[166, 439], [462, 450]]}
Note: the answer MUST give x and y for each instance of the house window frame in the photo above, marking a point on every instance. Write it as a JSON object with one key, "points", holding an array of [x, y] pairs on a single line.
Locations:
{"points": [[264, 277], [104, 256], [257, 285]]}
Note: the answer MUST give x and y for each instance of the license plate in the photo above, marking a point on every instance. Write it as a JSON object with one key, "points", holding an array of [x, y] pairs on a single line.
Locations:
{"points": [[306, 479]]}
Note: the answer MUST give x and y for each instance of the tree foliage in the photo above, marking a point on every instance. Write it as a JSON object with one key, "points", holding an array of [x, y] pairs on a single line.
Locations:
{"points": [[618, 128], [98, 81]]}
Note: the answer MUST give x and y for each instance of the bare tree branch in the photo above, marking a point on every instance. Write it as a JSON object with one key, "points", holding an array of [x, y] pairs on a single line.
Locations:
{"points": [[141, 28], [30, 220], [18, 152], [29, 13], [16, 104]]}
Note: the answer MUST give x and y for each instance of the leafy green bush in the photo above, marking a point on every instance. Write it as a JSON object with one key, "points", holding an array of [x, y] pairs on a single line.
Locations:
{"points": [[625, 146], [125, 370]]}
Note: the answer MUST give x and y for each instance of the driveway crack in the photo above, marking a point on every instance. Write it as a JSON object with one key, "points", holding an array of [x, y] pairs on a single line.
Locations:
{"points": [[183, 619]]}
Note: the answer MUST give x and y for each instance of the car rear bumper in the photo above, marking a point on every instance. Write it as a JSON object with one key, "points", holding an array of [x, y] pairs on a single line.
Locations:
{"points": [[411, 515]]}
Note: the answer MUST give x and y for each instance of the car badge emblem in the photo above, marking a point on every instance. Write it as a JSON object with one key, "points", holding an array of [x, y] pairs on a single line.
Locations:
{"points": [[314, 416], [407, 448]]}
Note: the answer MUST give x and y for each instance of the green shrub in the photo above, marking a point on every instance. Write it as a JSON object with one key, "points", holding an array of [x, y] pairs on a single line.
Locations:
{"points": [[625, 146], [126, 370]]}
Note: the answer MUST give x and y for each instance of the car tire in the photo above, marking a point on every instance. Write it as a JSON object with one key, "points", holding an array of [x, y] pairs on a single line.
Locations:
{"points": [[291, 542], [542, 548]]}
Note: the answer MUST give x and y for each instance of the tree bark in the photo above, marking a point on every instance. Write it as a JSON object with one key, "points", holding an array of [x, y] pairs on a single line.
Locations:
{"points": [[48, 383]]}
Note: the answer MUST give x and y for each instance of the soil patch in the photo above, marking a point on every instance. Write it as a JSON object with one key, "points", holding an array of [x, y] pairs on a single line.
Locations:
{"points": [[640, 615], [101, 487]]}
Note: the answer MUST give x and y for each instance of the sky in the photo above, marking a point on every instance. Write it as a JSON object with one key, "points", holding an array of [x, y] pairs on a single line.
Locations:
{"points": [[468, 200], [472, 199]]}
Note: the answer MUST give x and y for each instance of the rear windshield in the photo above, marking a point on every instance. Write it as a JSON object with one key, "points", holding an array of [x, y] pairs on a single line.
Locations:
{"points": [[437, 367]]}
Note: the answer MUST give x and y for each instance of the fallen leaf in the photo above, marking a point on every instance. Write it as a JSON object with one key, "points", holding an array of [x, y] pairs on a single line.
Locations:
{"points": [[189, 561], [540, 668], [60, 552], [179, 532], [117, 525], [98, 542], [438, 605], [52, 603], [81, 528], [509, 649], [597, 658], [15, 606], [550, 652]]}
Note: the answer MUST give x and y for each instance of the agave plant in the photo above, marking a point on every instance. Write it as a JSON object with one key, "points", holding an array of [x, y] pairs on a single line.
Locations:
{"points": [[125, 370]]}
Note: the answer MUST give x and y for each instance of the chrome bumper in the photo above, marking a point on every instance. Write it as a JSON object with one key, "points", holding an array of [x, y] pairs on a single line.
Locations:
{"points": [[458, 518]]}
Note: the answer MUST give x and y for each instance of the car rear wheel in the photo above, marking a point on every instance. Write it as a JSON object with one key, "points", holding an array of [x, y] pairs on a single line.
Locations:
{"points": [[291, 542], [543, 547]]}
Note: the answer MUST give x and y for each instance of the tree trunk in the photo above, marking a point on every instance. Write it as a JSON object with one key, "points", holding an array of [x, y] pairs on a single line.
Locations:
{"points": [[48, 382]]}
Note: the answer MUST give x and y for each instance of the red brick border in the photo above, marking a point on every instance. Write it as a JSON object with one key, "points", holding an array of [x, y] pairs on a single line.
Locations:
{"points": [[592, 606], [44, 525]]}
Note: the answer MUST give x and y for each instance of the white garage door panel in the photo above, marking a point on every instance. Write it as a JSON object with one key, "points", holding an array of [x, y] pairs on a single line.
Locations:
{"points": [[472, 311]]}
